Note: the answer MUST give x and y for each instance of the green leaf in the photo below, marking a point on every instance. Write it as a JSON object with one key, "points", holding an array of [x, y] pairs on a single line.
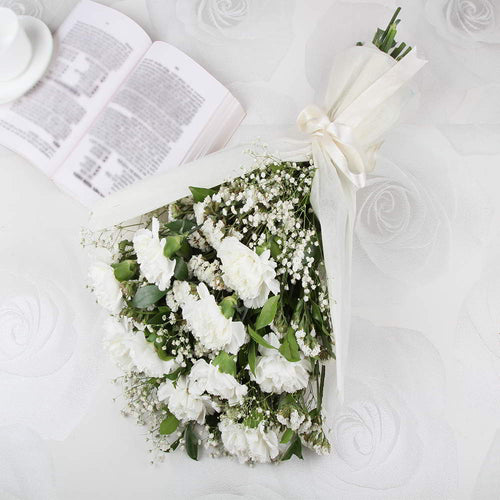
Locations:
{"points": [[262, 248], [191, 442], [275, 249], [125, 270], [228, 306], [181, 226], [157, 319], [172, 244], [146, 296], [162, 354], [181, 270], [287, 435], [252, 356], [124, 244], [316, 313], [295, 448], [225, 362], [185, 249], [289, 347], [199, 194], [259, 339], [169, 424], [174, 375], [268, 312]]}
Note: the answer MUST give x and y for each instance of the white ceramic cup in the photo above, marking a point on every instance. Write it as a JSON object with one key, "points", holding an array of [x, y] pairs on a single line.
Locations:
{"points": [[15, 47]]}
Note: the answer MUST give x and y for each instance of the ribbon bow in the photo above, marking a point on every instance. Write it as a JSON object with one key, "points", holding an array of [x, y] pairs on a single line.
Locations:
{"points": [[337, 141]]}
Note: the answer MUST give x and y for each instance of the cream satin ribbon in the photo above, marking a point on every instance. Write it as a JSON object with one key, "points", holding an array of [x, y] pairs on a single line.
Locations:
{"points": [[334, 146], [337, 141]]}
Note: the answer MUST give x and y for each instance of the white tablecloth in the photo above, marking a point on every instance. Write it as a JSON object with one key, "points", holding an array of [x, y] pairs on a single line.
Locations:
{"points": [[422, 412]]}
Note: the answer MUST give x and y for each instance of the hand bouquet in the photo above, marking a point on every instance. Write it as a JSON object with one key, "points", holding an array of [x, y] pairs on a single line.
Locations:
{"points": [[229, 301]]}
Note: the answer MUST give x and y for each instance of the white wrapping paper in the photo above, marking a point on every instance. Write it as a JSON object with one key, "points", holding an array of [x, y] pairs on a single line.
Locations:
{"points": [[363, 100]]}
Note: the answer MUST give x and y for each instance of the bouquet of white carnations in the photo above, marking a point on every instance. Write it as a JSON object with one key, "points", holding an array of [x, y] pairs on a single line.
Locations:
{"points": [[223, 300]]}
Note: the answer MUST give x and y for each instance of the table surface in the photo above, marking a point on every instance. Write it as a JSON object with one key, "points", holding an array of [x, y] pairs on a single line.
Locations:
{"points": [[422, 411]]}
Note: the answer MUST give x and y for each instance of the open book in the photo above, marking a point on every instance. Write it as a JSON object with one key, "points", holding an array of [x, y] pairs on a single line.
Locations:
{"points": [[114, 107]]}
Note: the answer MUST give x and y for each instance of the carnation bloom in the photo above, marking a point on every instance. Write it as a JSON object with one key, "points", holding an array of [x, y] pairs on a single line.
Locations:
{"points": [[132, 352], [118, 341], [155, 267], [104, 284], [248, 443], [205, 377], [147, 360], [207, 323], [252, 276], [274, 373], [185, 404]]}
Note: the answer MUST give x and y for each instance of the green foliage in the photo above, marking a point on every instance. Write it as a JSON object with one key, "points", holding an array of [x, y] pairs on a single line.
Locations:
{"points": [[162, 354], [228, 306], [181, 226], [199, 194], [169, 424], [385, 40], [172, 245], [225, 362], [125, 270], [295, 448], [287, 435], [289, 347], [268, 312], [259, 339], [191, 442], [175, 374], [252, 356], [146, 296], [181, 270]]}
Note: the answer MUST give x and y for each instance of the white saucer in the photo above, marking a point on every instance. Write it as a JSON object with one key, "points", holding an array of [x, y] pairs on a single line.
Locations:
{"points": [[42, 44]]}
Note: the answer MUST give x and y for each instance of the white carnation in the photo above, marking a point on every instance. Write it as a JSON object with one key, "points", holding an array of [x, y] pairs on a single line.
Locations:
{"points": [[206, 377], [155, 267], [246, 443], [183, 403], [131, 351], [252, 276], [146, 358], [118, 342], [207, 323], [104, 284], [276, 374]]}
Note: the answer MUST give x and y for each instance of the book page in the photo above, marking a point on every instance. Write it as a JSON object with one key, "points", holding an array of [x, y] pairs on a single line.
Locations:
{"points": [[150, 125], [94, 50]]}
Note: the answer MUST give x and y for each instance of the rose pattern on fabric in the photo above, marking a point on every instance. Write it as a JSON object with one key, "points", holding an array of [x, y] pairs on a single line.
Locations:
{"points": [[477, 349], [465, 21], [44, 360], [405, 212], [36, 336], [389, 436], [488, 479], [26, 470], [33, 8], [481, 310], [51, 12], [464, 37], [254, 34]]}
